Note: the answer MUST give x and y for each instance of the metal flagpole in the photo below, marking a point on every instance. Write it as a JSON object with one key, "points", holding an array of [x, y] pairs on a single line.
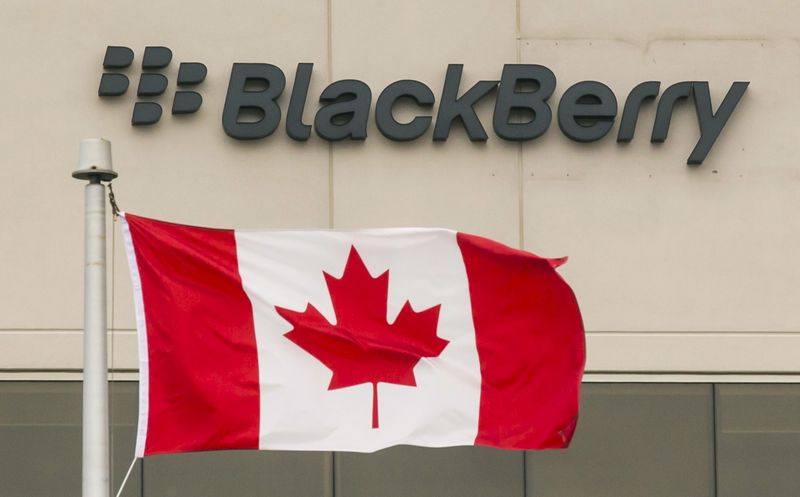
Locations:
{"points": [[94, 166]]}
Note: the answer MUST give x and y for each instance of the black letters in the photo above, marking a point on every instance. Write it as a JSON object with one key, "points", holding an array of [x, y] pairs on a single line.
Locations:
{"points": [[666, 104], [587, 110], [346, 112], [509, 98], [295, 127], [711, 123], [386, 122], [640, 93], [452, 107], [263, 101]]}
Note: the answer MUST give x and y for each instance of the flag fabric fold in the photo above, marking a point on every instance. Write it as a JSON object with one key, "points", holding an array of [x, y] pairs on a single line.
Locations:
{"points": [[349, 340]]}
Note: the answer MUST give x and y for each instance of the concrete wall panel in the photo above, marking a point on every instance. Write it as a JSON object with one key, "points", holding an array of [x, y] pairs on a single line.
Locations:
{"points": [[656, 245], [49, 102], [642, 22], [457, 184], [659, 250]]}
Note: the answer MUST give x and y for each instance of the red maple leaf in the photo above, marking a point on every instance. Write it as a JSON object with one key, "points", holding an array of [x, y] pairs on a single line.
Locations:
{"points": [[363, 347]]}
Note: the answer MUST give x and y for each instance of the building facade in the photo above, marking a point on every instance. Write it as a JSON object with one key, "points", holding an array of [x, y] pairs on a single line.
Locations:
{"points": [[687, 275]]}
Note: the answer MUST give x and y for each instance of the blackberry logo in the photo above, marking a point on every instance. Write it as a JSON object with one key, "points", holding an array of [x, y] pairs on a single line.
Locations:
{"points": [[113, 83]]}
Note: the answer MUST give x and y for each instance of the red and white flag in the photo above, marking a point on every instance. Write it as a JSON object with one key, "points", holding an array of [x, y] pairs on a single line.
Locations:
{"points": [[349, 340]]}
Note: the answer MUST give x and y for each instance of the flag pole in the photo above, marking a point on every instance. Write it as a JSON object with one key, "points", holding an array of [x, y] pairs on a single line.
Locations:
{"points": [[94, 166]]}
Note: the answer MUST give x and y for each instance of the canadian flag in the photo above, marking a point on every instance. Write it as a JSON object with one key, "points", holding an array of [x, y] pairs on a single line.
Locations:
{"points": [[349, 340]]}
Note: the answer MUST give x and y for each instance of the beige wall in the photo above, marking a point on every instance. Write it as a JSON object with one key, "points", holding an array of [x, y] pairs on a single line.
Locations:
{"points": [[677, 269]]}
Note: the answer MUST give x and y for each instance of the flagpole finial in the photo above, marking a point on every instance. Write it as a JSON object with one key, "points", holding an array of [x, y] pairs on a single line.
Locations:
{"points": [[94, 161]]}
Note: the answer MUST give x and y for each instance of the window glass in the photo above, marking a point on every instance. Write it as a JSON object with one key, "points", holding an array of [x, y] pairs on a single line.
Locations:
{"points": [[426, 472], [633, 440], [758, 440], [40, 437]]}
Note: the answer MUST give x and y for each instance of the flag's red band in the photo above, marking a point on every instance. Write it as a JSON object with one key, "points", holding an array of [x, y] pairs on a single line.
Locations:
{"points": [[203, 363], [530, 340]]}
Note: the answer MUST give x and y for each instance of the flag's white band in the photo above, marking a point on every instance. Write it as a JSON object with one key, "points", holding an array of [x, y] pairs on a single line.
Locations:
{"points": [[141, 327], [298, 410]]}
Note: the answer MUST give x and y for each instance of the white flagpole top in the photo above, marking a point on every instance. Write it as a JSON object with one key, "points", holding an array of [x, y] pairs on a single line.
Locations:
{"points": [[94, 160]]}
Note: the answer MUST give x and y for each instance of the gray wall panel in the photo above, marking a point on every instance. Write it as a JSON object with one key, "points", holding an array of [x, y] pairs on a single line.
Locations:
{"points": [[40, 461], [422, 472], [654, 440], [40, 438], [237, 474], [124, 398], [758, 440], [633, 440]]}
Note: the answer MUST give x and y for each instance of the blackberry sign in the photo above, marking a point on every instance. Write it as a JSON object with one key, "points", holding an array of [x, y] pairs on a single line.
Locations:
{"points": [[585, 112]]}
